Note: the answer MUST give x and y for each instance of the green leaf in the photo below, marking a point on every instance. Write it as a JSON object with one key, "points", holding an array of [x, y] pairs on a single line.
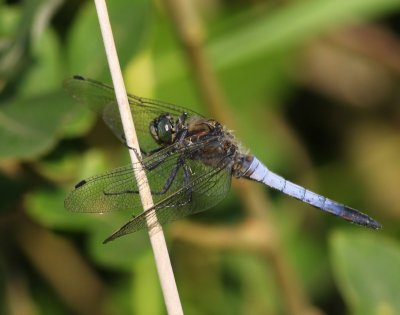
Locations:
{"points": [[291, 25], [9, 17], [366, 269], [274, 33], [120, 253], [145, 283], [29, 127], [45, 73], [47, 207], [130, 24], [71, 167]]}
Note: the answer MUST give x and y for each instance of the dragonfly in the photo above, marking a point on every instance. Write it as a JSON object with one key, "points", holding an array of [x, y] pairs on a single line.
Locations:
{"points": [[189, 161]]}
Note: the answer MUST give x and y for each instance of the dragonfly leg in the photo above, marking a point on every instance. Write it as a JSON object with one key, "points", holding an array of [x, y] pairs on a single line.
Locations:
{"points": [[171, 177], [186, 180], [145, 153], [152, 166], [181, 135], [148, 153], [166, 186], [123, 138], [186, 183]]}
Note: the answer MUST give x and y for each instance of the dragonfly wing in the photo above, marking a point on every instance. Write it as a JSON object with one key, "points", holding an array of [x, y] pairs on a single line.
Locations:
{"points": [[100, 98], [96, 194], [118, 189], [205, 190]]}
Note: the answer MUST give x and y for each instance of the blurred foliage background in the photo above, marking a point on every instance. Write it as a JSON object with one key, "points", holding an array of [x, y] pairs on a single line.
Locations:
{"points": [[310, 86]]}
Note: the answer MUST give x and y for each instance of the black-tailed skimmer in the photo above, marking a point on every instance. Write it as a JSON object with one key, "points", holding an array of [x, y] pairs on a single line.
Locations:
{"points": [[189, 161]]}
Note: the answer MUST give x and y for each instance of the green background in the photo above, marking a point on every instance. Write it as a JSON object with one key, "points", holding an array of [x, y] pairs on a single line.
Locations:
{"points": [[314, 88]]}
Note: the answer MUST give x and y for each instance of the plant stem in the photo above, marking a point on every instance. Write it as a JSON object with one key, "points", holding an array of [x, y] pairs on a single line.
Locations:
{"points": [[161, 256]]}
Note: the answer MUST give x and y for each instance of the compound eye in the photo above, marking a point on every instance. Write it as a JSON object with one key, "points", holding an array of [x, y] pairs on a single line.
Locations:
{"points": [[165, 130], [153, 130]]}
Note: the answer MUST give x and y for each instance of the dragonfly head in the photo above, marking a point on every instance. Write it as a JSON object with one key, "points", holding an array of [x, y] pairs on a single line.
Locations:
{"points": [[162, 129]]}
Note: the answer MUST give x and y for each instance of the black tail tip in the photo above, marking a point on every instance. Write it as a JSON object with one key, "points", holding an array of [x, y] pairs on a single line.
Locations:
{"points": [[374, 224], [367, 221]]}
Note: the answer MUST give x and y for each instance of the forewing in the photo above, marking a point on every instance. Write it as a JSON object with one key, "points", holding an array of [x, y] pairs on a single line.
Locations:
{"points": [[100, 98], [118, 189], [206, 189], [91, 195]]}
